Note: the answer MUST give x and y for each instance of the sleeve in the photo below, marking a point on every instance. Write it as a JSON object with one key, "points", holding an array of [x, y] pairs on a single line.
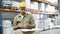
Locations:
{"points": [[14, 21], [32, 21]]}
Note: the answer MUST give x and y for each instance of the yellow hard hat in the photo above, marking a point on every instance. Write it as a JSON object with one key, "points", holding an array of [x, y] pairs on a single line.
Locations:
{"points": [[22, 4]]}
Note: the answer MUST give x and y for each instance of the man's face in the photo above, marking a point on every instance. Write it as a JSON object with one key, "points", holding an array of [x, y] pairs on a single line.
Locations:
{"points": [[22, 11]]}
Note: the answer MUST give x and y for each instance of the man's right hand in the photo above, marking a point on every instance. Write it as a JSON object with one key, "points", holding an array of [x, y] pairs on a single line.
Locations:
{"points": [[19, 26]]}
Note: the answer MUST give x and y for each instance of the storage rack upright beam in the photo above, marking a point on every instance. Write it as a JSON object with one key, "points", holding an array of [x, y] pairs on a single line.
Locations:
{"points": [[1, 28]]}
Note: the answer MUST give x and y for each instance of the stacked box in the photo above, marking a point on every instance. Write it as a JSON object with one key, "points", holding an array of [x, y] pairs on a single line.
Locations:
{"points": [[42, 6], [28, 4], [50, 8], [34, 5], [53, 1]]}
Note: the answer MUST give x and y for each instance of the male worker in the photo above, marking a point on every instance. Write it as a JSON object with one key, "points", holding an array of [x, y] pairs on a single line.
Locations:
{"points": [[23, 20]]}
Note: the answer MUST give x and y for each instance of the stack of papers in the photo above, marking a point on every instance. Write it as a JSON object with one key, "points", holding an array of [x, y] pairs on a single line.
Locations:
{"points": [[29, 30]]}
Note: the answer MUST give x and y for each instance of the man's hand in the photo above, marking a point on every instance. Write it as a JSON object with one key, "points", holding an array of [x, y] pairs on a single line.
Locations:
{"points": [[30, 26], [20, 25], [24, 26], [15, 27]]}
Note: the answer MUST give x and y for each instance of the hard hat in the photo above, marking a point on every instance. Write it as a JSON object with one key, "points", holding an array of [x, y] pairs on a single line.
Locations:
{"points": [[22, 4]]}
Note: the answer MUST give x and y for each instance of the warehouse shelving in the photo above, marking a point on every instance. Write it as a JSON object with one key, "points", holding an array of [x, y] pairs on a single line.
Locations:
{"points": [[28, 10], [32, 10], [46, 2]]}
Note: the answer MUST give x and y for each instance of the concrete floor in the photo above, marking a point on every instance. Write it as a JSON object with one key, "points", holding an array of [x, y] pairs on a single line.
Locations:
{"points": [[53, 31]]}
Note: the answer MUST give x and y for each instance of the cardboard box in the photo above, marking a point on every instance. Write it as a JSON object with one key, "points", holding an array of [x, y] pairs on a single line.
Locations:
{"points": [[50, 8], [8, 30], [35, 16], [34, 5], [42, 6], [52, 1], [27, 4]]}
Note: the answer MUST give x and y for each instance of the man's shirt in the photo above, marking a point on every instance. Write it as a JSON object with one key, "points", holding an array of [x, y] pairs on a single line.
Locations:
{"points": [[27, 18]]}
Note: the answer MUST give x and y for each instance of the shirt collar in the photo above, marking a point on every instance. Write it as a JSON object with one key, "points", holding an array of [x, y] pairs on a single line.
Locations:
{"points": [[22, 15]]}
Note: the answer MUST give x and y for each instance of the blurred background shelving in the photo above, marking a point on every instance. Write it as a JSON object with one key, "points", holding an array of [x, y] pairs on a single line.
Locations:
{"points": [[41, 9]]}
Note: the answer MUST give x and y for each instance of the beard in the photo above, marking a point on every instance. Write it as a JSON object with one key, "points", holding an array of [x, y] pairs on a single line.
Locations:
{"points": [[23, 13]]}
